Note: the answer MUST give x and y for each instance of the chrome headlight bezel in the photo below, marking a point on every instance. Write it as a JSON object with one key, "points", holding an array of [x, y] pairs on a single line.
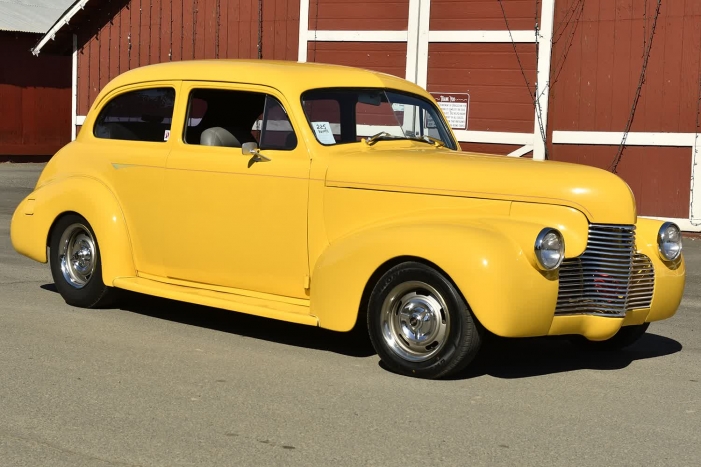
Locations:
{"points": [[663, 238], [541, 248]]}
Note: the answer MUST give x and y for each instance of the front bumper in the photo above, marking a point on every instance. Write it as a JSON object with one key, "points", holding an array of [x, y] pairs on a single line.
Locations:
{"points": [[667, 295]]}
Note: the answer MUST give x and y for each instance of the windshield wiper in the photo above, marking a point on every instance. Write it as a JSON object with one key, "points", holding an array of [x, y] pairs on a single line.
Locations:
{"points": [[378, 136], [428, 139], [385, 135]]}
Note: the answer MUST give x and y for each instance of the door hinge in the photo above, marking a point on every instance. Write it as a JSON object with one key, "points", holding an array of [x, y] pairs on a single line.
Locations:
{"points": [[307, 281]]}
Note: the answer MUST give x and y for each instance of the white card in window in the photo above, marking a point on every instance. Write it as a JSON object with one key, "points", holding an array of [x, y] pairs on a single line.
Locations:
{"points": [[166, 136], [323, 132]]}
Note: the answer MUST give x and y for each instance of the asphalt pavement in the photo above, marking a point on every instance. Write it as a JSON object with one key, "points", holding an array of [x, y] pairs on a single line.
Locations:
{"points": [[161, 383]]}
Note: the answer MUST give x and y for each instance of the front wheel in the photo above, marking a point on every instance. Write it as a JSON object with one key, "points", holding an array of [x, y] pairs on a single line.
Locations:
{"points": [[626, 336], [76, 266], [419, 324]]}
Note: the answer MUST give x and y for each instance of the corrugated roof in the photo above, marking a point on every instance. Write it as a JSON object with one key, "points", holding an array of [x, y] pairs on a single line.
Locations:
{"points": [[31, 15]]}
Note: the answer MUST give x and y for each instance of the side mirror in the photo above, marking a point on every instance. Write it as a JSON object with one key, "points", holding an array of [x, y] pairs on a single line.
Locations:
{"points": [[251, 149]]}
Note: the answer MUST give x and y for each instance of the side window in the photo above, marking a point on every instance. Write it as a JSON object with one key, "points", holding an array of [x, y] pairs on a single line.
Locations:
{"points": [[218, 117], [143, 115], [277, 132]]}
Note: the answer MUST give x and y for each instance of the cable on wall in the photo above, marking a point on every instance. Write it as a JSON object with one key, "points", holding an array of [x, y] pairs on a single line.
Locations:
{"points": [[216, 34], [316, 27], [695, 154], [641, 80], [532, 92], [194, 25], [644, 26], [260, 29], [571, 16]]}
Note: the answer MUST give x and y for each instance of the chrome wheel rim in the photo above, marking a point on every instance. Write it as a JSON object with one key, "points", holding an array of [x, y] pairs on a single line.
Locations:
{"points": [[415, 321], [77, 255]]}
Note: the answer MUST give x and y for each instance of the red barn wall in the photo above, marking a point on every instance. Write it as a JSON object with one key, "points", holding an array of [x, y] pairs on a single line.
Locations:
{"points": [[348, 15], [143, 32], [596, 63], [35, 99]]}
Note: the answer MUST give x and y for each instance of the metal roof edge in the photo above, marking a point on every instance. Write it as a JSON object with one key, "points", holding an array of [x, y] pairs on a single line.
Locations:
{"points": [[62, 21]]}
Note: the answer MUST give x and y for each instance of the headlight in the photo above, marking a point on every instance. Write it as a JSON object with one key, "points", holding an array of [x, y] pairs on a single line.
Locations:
{"points": [[669, 241], [549, 248]]}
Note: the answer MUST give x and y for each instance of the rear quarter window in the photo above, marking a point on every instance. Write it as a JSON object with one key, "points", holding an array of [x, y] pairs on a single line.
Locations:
{"points": [[141, 115]]}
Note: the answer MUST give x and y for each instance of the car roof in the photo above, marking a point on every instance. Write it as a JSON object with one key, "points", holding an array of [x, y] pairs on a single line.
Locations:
{"points": [[286, 76]]}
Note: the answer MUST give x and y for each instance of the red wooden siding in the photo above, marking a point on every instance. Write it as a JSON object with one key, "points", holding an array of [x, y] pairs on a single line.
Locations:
{"points": [[486, 148], [596, 82], [659, 177], [490, 73], [596, 63], [484, 14], [119, 36], [334, 15], [387, 57], [35, 98]]}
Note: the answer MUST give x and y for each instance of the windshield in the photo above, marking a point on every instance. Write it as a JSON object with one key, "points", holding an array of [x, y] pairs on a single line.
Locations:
{"points": [[347, 115]]}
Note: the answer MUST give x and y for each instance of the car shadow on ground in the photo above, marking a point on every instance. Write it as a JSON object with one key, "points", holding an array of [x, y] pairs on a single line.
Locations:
{"points": [[499, 357], [353, 344], [530, 357]]}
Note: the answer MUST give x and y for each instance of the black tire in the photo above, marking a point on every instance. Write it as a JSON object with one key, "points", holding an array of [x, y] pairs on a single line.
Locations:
{"points": [[626, 336], [434, 302], [72, 232]]}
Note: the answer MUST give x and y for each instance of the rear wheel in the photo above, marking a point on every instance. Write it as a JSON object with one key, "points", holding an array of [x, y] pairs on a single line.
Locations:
{"points": [[626, 336], [419, 324], [76, 266]]}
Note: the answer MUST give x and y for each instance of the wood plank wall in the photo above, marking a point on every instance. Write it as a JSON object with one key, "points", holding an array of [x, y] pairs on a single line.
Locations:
{"points": [[128, 34], [35, 99], [597, 60]]}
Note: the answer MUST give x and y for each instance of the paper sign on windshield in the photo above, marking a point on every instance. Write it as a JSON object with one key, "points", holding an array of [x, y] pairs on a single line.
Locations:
{"points": [[323, 132]]}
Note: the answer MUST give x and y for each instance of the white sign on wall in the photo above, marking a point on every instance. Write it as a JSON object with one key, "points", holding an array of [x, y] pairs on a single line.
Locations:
{"points": [[455, 106]]}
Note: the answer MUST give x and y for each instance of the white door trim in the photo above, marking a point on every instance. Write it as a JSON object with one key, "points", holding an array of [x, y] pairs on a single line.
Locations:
{"points": [[542, 84]]}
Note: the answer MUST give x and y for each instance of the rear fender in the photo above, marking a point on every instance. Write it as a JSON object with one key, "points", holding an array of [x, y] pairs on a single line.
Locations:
{"points": [[88, 197]]}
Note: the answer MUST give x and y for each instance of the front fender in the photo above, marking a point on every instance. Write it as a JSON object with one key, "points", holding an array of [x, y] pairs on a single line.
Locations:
{"points": [[670, 277], [508, 295], [36, 214]]}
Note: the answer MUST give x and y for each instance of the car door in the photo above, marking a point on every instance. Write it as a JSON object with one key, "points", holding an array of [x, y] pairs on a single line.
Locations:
{"points": [[232, 220], [130, 136]]}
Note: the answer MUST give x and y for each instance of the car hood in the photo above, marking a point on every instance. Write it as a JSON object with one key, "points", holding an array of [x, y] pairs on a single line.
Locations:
{"points": [[602, 196]]}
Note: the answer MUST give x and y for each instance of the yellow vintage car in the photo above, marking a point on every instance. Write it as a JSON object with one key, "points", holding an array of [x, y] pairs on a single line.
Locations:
{"points": [[336, 197]]}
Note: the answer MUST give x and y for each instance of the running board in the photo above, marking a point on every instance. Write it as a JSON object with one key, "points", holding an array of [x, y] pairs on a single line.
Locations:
{"points": [[251, 305]]}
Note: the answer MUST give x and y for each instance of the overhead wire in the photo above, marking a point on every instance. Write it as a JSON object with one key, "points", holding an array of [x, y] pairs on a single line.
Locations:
{"points": [[316, 26], [695, 153], [260, 29], [613, 167], [560, 63]]}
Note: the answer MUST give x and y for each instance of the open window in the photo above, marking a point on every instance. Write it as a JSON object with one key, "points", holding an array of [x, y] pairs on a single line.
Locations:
{"points": [[218, 117]]}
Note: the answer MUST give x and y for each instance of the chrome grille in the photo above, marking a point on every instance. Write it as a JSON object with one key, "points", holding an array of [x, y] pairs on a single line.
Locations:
{"points": [[609, 278]]}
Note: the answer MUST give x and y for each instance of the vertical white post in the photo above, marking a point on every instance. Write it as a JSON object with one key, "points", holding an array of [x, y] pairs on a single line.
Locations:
{"points": [[542, 88], [412, 40], [417, 42], [695, 195], [303, 30], [422, 47], [74, 88]]}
